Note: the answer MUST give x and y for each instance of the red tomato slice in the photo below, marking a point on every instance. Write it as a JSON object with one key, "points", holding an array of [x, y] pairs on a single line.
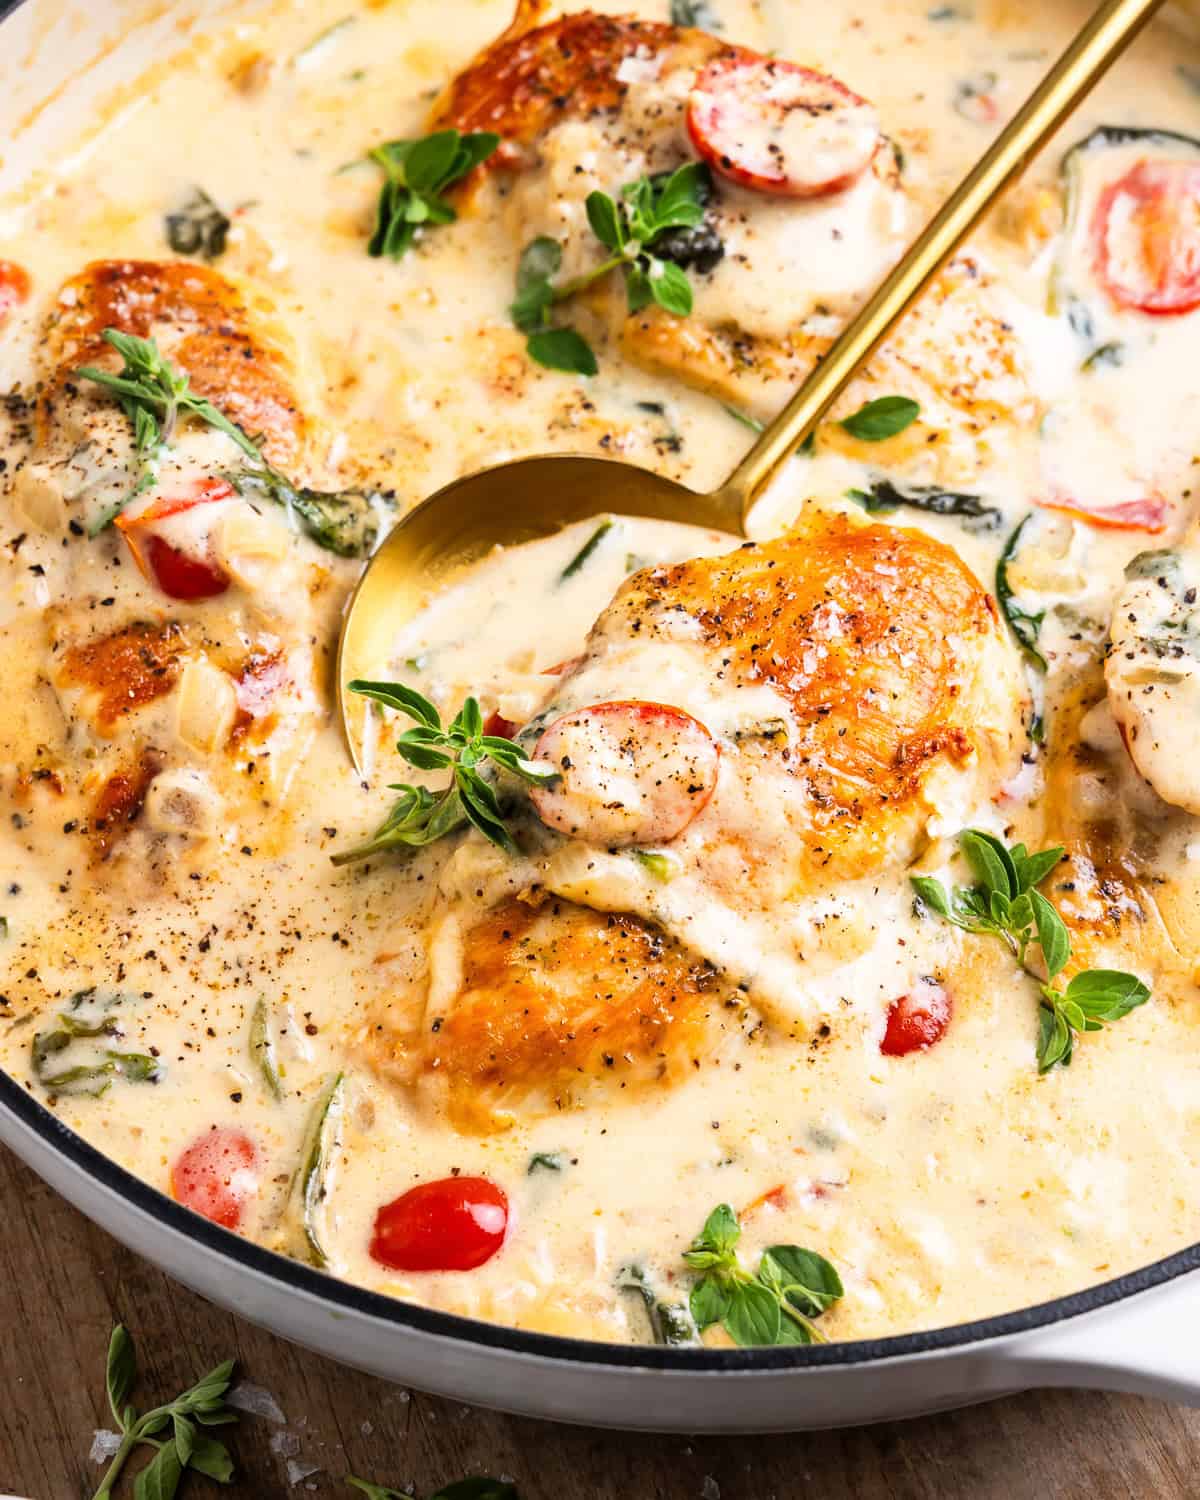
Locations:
{"points": [[629, 773], [501, 727], [217, 1176], [14, 287], [453, 1224], [1149, 514], [179, 573], [917, 1019], [780, 128], [1147, 233]]}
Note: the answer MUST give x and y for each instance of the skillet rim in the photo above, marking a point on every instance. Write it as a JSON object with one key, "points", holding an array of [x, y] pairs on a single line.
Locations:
{"points": [[556, 1348]]}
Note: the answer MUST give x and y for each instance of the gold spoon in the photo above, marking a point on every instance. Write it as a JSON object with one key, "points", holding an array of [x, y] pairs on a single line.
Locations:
{"points": [[532, 497]]}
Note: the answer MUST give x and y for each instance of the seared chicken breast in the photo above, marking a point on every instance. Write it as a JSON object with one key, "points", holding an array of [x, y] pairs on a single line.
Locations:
{"points": [[850, 677], [590, 102], [183, 651]]}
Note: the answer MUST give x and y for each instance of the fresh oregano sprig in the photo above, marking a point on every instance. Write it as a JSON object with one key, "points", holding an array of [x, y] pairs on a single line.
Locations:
{"points": [[202, 1405], [421, 817], [777, 1305], [154, 395], [417, 173], [1005, 903], [630, 227]]}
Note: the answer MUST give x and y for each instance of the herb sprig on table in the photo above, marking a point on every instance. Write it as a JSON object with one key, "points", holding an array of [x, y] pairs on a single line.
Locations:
{"points": [[417, 174], [478, 1487], [640, 229], [186, 1447], [1005, 903], [421, 817], [779, 1304]]}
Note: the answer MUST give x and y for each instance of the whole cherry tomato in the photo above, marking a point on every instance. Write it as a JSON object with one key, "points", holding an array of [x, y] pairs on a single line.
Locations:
{"points": [[217, 1175], [453, 1224]]}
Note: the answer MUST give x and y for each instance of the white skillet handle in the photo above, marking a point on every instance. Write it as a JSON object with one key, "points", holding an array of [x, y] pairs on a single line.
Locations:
{"points": [[1146, 1345]]}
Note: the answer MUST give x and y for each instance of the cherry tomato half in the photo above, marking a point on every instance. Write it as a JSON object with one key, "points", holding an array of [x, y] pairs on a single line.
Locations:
{"points": [[453, 1224], [217, 1175], [629, 772], [1147, 234], [917, 1019], [501, 727], [179, 572], [780, 128], [14, 287], [1147, 514]]}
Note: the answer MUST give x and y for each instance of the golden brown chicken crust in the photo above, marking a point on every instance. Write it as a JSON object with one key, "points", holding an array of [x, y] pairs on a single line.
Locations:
{"points": [[533, 77], [953, 353], [1101, 888], [873, 634], [202, 322], [557, 998], [126, 669], [119, 802]]}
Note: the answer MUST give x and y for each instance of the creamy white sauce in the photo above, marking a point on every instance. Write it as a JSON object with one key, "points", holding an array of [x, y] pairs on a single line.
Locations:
{"points": [[945, 1185]]}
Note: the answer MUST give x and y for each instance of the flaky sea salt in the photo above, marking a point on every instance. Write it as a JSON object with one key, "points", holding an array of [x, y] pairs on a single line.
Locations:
{"points": [[104, 1445], [256, 1401]]}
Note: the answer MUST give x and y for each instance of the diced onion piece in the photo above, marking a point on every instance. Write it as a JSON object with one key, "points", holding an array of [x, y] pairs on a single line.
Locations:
{"points": [[38, 499], [628, 772], [781, 128], [183, 801], [207, 706], [248, 545]]}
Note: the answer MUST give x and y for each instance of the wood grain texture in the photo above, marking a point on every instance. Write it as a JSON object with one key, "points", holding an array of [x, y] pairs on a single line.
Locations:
{"points": [[65, 1283]]}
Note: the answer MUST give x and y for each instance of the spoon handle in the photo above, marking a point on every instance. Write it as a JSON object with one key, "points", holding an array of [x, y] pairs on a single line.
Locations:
{"points": [[1100, 42]]}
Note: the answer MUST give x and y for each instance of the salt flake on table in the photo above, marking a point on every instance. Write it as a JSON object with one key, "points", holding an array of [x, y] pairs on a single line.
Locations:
{"points": [[296, 1470], [104, 1445], [257, 1401]]}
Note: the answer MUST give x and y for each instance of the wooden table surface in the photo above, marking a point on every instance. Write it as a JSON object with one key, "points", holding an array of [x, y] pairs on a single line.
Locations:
{"points": [[65, 1283]]}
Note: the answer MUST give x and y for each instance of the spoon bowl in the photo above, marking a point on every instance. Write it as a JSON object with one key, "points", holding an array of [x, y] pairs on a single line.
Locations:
{"points": [[501, 506], [533, 497]]}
